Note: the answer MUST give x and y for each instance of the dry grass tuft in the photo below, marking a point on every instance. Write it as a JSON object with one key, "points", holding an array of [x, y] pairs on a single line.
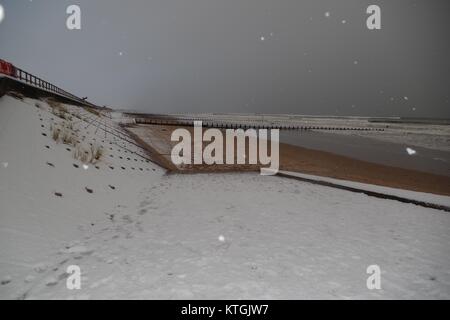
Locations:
{"points": [[63, 133], [92, 154], [59, 110], [55, 133], [96, 152], [80, 154]]}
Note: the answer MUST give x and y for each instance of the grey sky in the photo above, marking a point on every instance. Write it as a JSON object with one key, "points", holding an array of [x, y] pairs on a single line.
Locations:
{"points": [[208, 56]]}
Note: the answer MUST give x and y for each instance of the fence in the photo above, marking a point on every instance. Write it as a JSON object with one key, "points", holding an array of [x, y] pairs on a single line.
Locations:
{"points": [[210, 123], [42, 84]]}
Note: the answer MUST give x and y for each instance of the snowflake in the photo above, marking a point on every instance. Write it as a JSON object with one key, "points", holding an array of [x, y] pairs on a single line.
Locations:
{"points": [[2, 13], [411, 151]]}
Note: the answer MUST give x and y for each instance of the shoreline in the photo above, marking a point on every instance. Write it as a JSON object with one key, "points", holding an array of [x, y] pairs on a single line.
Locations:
{"points": [[156, 139]]}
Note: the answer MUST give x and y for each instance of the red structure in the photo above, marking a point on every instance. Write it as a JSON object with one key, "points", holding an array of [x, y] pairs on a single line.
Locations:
{"points": [[7, 68], [22, 77]]}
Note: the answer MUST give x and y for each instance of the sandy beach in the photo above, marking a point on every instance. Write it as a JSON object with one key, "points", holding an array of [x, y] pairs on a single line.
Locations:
{"points": [[156, 139]]}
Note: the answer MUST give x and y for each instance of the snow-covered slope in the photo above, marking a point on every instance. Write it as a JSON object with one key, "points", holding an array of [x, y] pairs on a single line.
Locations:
{"points": [[44, 192], [141, 233]]}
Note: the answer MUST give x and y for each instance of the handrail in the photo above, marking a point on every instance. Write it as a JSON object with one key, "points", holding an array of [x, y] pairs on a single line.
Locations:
{"points": [[31, 79]]}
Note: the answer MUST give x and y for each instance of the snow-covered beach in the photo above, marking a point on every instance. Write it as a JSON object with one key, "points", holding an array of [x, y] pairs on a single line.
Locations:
{"points": [[137, 232]]}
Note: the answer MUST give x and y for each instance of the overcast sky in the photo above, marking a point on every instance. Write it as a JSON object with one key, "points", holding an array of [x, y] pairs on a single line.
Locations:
{"points": [[271, 56]]}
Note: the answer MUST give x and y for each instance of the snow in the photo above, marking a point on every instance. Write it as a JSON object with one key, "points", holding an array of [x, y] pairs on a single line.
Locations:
{"points": [[158, 235], [2, 13], [410, 151], [5, 280], [407, 194]]}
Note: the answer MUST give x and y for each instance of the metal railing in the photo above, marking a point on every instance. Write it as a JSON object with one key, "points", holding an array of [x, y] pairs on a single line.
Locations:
{"points": [[45, 85]]}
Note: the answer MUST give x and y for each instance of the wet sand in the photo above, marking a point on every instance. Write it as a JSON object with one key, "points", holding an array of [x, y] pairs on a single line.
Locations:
{"points": [[156, 139], [372, 150]]}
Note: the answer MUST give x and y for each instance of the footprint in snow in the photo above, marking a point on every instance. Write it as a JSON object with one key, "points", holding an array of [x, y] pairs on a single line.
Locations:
{"points": [[52, 281], [40, 267], [5, 280]]}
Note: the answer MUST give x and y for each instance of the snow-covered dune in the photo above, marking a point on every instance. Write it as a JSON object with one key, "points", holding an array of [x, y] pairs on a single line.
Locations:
{"points": [[136, 232]]}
